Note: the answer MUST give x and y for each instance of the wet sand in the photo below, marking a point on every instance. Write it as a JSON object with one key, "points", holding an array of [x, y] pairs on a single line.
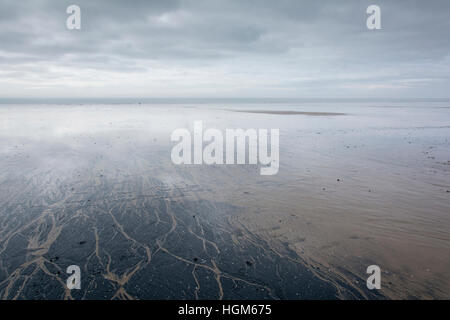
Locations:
{"points": [[94, 186], [304, 113]]}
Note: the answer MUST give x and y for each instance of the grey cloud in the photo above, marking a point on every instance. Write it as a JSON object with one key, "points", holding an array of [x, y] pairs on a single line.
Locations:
{"points": [[286, 39]]}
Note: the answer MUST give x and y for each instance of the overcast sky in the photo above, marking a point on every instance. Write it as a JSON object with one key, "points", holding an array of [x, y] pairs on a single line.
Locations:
{"points": [[226, 48]]}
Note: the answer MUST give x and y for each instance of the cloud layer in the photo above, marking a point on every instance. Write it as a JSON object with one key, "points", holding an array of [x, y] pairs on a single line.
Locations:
{"points": [[228, 48]]}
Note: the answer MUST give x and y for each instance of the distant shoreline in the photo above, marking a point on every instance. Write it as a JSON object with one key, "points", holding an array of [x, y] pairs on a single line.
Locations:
{"points": [[306, 113], [199, 100]]}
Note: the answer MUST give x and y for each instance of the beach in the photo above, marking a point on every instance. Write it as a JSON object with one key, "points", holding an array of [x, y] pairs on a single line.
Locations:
{"points": [[93, 185]]}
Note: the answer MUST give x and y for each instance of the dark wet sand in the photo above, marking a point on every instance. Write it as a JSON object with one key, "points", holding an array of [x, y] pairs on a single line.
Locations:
{"points": [[136, 237]]}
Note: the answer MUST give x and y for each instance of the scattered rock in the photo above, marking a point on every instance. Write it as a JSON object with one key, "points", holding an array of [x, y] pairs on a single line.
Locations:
{"points": [[82, 242], [249, 263]]}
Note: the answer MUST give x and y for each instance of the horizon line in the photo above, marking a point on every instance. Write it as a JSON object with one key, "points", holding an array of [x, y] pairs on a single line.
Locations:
{"points": [[169, 100]]}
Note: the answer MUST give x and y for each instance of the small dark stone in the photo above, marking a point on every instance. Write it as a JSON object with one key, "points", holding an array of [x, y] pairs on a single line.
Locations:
{"points": [[82, 242], [248, 263], [195, 259]]}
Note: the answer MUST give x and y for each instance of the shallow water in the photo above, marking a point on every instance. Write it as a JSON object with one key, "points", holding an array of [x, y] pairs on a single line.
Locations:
{"points": [[94, 185]]}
